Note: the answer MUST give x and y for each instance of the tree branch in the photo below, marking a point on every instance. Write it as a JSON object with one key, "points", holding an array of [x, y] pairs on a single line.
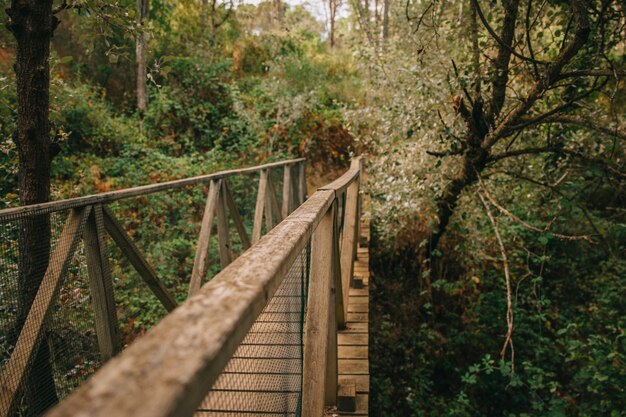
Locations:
{"points": [[549, 77]]}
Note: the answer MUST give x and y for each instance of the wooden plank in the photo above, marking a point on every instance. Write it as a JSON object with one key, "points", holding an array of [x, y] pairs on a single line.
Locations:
{"points": [[168, 371], [200, 264], [272, 209], [137, 260], [352, 352], [353, 366], [302, 191], [234, 214], [346, 397], [110, 196], [335, 319], [355, 327], [287, 203], [362, 381], [349, 241], [319, 307], [30, 337], [353, 339], [260, 207], [359, 291], [223, 235], [357, 316], [358, 308], [101, 285]]}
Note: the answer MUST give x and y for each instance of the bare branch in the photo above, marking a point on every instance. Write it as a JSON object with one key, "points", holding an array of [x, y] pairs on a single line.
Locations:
{"points": [[527, 225], [548, 78], [507, 278]]}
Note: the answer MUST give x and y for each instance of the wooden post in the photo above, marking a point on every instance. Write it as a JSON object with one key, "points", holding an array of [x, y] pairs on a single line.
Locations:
{"points": [[260, 206], [349, 240], [272, 209], [319, 310], [222, 230], [137, 260], [335, 318], [101, 285], [234, 213], [287, 205], [302, 191], [31, 336], [200, 265]]}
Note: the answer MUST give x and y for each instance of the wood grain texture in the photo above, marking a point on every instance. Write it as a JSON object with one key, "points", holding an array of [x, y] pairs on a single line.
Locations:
{"points": [[200, 265], [108, 197], [260, 206], [317, 326], [223, 234], [168, 371], [234, 214], [101, 285]]}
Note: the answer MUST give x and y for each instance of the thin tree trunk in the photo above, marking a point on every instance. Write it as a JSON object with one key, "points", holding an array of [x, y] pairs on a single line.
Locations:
{"points": [[473, 163], [32, 23], [140, 49], [385, 34], [277, 10], [332, 6]]}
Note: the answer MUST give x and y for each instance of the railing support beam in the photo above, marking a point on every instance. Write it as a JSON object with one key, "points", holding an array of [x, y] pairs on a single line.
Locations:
{"points": [[316, 379]]}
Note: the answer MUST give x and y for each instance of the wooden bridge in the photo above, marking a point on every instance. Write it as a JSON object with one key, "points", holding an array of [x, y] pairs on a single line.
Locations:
{"points": [[281, 330]]}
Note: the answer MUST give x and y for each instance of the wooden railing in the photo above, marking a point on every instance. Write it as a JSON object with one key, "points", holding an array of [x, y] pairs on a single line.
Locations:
{"points": [[169, 370], [91, 219]]}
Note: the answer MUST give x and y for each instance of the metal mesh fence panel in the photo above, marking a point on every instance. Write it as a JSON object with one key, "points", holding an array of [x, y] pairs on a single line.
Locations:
{"points": [[264, 376], [43, 275]]}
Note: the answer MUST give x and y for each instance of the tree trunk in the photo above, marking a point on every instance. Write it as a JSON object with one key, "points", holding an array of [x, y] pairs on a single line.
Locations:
{"points": [[32, 23], [332, 6], [385, 34], [277, 10], [140, 49], [473, 163]]}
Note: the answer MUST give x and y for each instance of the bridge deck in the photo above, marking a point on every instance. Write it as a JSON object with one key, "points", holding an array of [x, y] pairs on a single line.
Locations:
{"points": [[264, 376], [353, 342]]}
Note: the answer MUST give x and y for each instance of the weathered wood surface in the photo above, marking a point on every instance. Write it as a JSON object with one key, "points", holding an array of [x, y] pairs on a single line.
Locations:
{"points": [[110, 196], [101, 285], [354, 340], [318, 322], [240, 337], [168, 371], [30, 337]]}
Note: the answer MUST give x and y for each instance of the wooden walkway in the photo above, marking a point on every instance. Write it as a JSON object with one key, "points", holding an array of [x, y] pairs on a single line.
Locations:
{"points": [[353, 341], [264, 376]]}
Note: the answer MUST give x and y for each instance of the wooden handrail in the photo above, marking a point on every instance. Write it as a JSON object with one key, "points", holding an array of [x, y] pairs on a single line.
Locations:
{"points": [[110, 196], [168, 371]]}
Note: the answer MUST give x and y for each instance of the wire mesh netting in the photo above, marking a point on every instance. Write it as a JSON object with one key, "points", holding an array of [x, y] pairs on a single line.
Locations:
{"points": [[64, 348], [48, 333], [264, 376]]}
